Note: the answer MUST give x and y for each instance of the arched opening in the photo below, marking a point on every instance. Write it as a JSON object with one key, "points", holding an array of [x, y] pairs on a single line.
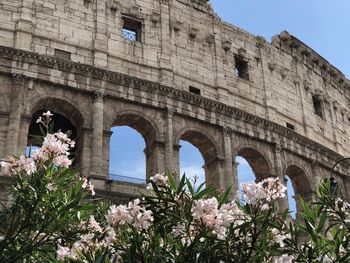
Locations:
{"points": [[133, 149], [60, 123], [195, 142], [250, 165], [66, 118], [301, 186], [258, 163], [191, 163], [127, 162]]}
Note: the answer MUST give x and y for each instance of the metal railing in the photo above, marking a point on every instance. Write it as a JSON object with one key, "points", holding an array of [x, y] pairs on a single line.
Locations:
{"points": [[129, 35], [127, 179]]}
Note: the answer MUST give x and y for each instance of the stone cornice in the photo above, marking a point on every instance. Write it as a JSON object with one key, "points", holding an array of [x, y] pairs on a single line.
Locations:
{"points": [[299, 49], [153, 87]]}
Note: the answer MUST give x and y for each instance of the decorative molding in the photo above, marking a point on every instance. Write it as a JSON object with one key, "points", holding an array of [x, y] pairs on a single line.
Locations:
{"points": [[155, 17], [228, 131], [176, 25], [18, 79], [210, 39], [99, 95], [193, 31], [226, 45], [156, 88]]}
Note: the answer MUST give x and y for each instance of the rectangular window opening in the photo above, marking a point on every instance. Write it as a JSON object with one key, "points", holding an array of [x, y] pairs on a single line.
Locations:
{"points": [[63, 54], [195, 90], [132, 29], [241, 68], [290, 126], [317, 106]]}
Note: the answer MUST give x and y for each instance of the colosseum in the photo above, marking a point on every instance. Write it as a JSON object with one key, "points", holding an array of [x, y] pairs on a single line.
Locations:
{"points": [[172, 70]]}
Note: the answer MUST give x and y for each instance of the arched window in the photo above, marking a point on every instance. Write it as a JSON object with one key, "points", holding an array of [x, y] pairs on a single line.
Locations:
{"points": [[133, 149], [127, 162], [299, 186], [250, 165], [207, 150]]}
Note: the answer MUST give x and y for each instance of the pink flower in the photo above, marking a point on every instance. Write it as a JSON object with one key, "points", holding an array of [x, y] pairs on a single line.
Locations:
{"points": [[62, 161], [160, 179], [63, 252], [93, 225]]}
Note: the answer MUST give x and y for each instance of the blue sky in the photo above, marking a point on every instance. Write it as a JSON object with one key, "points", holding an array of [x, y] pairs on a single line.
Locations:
{"points": [[322, 24]]}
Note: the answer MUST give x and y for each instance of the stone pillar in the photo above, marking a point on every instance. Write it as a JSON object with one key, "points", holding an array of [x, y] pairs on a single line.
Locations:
{"points": [[106, 151], [15, 115], [166, 68], [24, 26], [214, 173], [97, 133], [169, 141], [316, 175], [176, 160], [100, 37], [230, 179], [334, 125], [279, 173], [302, 102], [154, 158], [235, 175], [85, 162]]}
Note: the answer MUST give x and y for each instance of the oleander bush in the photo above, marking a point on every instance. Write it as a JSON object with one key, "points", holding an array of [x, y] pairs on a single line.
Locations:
{"points": [[52, 218]]}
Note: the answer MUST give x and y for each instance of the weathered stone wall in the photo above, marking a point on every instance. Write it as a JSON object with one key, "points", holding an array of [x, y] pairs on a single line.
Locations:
{"points": [[71, 56]]}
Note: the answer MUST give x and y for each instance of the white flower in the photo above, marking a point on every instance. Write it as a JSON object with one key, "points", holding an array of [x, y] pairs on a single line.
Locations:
{"points": [[284, 259], [51, 187], [62, 161], [47, 114], [39, 120]]}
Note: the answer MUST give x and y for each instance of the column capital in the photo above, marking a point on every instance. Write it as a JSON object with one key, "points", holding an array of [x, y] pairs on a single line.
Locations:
{"points": [[170, 111], [228, 131], [99, 95], [18, 79]]}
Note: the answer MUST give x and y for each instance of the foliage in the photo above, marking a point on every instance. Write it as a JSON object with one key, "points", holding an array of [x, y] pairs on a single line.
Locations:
{"points": [[51, 219]]}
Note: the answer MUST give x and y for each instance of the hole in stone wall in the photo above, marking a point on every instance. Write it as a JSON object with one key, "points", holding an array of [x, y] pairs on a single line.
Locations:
{"points": [[132, 29], [241, 68], [317, 103], [195, 90], [290, 126], [63, 54]]}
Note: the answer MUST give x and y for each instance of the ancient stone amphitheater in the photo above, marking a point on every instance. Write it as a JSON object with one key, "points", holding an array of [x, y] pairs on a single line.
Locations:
{"points": [[172, 70]]}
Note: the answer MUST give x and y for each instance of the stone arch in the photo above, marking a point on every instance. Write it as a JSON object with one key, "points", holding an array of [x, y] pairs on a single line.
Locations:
{"points": [[208, 149], [149, 131], [138, 121], [61, 105], [257, 160], [66, 111], [301, 184]]}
